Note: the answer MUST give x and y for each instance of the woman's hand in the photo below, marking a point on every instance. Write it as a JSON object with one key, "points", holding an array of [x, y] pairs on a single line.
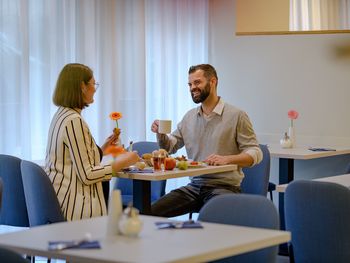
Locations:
{"points": [[125, 160], [111, 140]]}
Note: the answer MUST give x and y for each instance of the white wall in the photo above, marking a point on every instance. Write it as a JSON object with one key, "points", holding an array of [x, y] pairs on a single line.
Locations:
{"points": [[269, 75]]}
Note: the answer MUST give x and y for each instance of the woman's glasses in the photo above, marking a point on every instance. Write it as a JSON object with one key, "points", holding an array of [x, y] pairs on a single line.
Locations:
{"points": [[96, 84]]}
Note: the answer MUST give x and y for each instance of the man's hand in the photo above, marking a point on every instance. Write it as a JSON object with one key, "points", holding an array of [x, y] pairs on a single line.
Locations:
{"points": [[155, 126], [242, 159], [215, 159]]}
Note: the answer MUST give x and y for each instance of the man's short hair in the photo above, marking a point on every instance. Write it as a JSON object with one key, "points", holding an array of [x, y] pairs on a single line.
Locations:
{"points": [[209, 70]]}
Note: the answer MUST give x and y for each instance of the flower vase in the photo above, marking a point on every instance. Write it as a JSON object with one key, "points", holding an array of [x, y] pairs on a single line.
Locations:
{"points": [[115, 210], [291, 134]]}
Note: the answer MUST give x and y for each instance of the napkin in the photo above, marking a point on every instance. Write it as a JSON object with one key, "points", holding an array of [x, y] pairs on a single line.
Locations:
{"points": [[321, 149], [74, 244], [136, 170], [178, 225]]}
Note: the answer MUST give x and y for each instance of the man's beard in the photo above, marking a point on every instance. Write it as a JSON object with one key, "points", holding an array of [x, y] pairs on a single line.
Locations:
{"points": [[203, 94]]}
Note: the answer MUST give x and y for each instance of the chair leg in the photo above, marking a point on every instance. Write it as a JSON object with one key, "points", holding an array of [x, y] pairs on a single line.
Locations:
{"points": [[271, 196], [291, 253]]}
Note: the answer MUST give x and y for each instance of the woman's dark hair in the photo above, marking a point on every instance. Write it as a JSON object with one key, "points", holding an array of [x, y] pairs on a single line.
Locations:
{"points": [[68, 92]]}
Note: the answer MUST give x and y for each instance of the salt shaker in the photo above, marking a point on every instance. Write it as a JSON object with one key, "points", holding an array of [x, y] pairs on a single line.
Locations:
{"points": [[130, 223]]}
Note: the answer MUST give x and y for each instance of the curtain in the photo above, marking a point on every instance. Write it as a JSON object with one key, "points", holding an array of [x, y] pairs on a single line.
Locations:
{"points": [[139, 50], [319, 14]]}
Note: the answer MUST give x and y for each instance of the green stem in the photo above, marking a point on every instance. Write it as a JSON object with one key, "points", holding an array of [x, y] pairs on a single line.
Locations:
{"points": [[116, 124]]}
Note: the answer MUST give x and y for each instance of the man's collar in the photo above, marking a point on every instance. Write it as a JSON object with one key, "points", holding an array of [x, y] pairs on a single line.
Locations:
{"points": [[219, 108]]}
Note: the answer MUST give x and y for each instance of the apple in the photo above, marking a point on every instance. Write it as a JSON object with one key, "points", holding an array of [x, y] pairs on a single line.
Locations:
{"points": [[182, 165], [169, 163]]}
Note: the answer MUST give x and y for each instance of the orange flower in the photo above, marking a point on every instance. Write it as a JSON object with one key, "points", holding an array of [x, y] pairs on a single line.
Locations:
{"points": [[115, 115], [115, 150]]}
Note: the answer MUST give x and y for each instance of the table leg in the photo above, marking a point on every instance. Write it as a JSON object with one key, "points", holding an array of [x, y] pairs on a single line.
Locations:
{"points": [[142, 196], [286, 174]]}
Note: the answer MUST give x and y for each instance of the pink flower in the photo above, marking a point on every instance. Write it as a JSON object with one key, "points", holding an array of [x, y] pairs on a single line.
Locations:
{"points": [[292, 115]]}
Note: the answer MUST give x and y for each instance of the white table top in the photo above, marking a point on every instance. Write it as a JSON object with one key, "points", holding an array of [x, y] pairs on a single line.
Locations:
{"points": [[303, 153], [343, 179], [168, 245], [176, 173]]}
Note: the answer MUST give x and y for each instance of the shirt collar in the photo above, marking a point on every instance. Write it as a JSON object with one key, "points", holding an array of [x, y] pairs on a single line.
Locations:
{"points": [[219, 108]]}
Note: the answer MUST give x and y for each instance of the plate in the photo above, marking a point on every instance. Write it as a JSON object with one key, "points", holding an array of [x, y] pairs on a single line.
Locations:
{"points": [[199, 165]]}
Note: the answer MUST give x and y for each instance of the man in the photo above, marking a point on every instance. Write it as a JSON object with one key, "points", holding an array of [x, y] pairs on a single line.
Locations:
{"points": [[214, 132]]}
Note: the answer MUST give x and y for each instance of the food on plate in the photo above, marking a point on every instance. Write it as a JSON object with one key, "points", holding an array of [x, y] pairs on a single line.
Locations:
{"points": [[163, 152], [182, 165], [140, 165], [194, 163], [147, 158], [169, 163], [181, 158]]}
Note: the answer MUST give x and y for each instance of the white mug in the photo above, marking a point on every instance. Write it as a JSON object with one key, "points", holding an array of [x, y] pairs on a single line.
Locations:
{"points": [[164, 126]]}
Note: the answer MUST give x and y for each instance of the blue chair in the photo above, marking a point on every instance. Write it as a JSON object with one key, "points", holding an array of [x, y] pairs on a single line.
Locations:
{"points": [[318, 216], [348, 169], [125, 185], [1, 189], [10, 256], [256, 178], [14, 209], [41, 199], [244, 210]]}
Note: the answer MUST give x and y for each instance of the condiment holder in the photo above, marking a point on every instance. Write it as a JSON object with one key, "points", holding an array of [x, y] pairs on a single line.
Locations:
{"points": [[286, 142], [130, 223]]}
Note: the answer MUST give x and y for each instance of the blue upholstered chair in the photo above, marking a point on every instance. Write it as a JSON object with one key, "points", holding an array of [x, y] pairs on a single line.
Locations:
{"points": [[244, 210], [125, 185], [256, 179], [10, 256], [318, 216], [14, 209], [41, 199], [348, 169], [1, 189]]}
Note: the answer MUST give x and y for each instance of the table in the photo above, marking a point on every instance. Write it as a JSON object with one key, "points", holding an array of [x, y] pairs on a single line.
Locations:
{"points": [[286, 167], [142, 182], [212, 242], [343, 179]]}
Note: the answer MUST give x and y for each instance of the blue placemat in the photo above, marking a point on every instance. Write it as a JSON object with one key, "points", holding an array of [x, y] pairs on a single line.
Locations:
{"points": [[178, 225], [73, 244], [136, 170]]}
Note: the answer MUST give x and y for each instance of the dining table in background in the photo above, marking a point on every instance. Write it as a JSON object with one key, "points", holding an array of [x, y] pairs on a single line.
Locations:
{"points": [[213, 241], [343, 179], [142, 181], [286, 166]]}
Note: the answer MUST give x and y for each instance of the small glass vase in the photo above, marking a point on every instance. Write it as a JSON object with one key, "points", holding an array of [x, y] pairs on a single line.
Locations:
{"points": [[291, 134]]}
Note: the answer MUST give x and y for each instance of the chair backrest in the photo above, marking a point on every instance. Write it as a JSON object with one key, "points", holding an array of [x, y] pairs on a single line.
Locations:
{"points": [[125, 185], [256, 178], [244, 210], [318, 216], [14, 209], [348, 169], [1, 189], [41, 199], [10, 256]]}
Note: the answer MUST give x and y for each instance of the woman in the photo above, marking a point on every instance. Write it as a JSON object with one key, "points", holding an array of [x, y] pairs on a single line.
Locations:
{"points": [[72, 156]]}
